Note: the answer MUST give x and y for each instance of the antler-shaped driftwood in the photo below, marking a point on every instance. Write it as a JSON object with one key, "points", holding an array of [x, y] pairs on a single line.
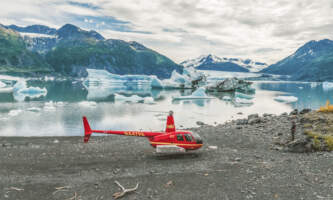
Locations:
{"points": [[124, 191]]}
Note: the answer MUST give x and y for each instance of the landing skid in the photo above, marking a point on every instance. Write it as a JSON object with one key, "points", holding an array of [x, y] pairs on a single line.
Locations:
{"points": [[169, 149]]}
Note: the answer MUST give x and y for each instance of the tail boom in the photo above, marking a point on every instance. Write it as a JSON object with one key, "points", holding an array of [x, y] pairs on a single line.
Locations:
{"points": [[88, 131]]}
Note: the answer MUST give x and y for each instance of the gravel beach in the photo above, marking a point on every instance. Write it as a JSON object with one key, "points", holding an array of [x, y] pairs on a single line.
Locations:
{"points": [[239, 160]]}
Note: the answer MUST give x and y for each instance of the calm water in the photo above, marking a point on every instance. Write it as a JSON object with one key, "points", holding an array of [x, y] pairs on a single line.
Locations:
{"points": [[59, 112]]}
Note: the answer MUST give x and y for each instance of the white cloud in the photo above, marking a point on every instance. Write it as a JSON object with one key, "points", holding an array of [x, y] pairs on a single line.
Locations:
{"points": [[258, 29]]}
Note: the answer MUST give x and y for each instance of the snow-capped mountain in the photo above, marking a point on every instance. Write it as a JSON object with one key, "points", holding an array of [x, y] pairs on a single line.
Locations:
{"points": [[211, 62], [312, 62]]}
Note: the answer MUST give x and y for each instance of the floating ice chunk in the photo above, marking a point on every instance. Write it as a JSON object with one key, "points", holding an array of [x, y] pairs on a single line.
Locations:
{"points": [[226, 98], [314, 84], [156, 83], [19, 85], [192, 73], [149, 100], [21, 91], [2, 84], [6, 90], [243, 101], [33, 91], [88, 103], [327, 86], [133, 98], [14, 112], [103, 75], [49, 106], [198, 94], [49, 78], [243, 96], [33, 109], [287, 99]]}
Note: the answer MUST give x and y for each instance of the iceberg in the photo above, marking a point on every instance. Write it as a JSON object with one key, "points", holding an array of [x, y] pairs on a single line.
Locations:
{"points": [[243, 101], [99, 75], [21, 91], [2, 84], [49, 106], [243, 96], [14, 112], [314, 84], [88, 103], [226, 98], [327, 86], [156, 83], [133, 98], [33, 109], [149, 100], [287, 99], [197, 94]]}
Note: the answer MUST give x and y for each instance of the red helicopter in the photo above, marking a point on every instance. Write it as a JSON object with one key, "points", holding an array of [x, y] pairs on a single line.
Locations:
{"points": [[170, 140]]}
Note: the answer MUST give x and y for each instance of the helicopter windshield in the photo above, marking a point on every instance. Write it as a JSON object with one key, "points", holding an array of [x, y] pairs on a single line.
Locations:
{"points": [[197, 138]]}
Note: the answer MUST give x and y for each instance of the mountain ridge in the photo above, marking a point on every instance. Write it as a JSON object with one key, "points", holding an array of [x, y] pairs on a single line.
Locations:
{"points": [[313, 61], [69, 50]]}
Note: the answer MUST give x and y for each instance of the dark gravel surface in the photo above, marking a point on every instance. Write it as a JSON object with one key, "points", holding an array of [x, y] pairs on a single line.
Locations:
{"points": [[245, 165]]}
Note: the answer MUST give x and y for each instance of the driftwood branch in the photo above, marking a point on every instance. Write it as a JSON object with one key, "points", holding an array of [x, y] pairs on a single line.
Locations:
{"points": [[124, 191]]}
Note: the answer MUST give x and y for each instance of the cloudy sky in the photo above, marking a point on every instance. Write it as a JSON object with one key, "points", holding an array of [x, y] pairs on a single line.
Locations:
{"points": [[181, 29]]}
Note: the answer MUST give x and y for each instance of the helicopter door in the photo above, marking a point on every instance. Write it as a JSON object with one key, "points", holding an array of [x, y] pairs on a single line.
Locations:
{"points": [[188, 139]]}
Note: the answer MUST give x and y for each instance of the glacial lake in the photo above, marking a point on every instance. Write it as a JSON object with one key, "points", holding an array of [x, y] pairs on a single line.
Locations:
{"points": [[60, 112]]}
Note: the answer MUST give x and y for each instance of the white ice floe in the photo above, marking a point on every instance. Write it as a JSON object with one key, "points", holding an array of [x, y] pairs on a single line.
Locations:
{"points": [[2, 84], [149, 100], [49, 106], [13, 113], [314, 84], [21, 91], [226, 98], [287, 99], [327, 86], [88, 104], [197, 94], [6, 90], [33, 109], [104, 76], [243, 101], [133, 98], [156, 83], [243, 96]]}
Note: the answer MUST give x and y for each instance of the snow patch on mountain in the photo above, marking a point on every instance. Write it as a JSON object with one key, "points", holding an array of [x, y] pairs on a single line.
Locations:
{"points": [[252, 66]]}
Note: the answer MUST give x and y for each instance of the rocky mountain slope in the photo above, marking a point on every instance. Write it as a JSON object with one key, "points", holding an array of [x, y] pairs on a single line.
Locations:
{"points": [[69, 50], [311, 62], [15, 58], [211, 62]]}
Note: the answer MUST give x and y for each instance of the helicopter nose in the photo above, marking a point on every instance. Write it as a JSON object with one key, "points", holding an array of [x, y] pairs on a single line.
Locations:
{"points": [[199, 141]]}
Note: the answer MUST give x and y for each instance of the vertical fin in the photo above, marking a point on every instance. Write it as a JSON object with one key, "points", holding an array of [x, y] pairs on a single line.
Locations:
{"points": [[170, 126], [87, 129]]}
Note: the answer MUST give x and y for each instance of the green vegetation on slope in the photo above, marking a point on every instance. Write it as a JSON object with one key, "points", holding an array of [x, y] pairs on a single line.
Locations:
{"points": [[15, 58]]}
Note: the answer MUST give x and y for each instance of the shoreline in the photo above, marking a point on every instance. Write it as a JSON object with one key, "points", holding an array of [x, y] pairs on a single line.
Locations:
{"points": [[245, 163]]}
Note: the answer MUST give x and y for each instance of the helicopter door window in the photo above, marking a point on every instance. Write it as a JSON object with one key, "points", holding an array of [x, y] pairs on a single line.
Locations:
{"points": [[180, 137], [188, 137]]}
